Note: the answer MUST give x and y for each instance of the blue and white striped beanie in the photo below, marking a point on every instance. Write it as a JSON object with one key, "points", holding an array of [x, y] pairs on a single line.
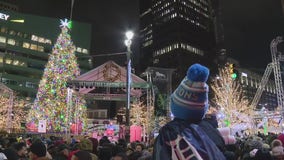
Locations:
{"points": [[190, 99]]}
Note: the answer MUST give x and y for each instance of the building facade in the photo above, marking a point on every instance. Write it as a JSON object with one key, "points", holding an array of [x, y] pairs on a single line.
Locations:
{"points": [[177, 33], [251, 82], [25, 44]]}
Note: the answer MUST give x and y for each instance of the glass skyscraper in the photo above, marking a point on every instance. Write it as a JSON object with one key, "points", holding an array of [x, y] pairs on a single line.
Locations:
{"points": [[177, 33]]}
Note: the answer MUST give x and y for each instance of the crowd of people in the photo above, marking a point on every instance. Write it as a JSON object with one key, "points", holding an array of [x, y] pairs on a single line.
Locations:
{"points": [[191, 135], [36, 147]]}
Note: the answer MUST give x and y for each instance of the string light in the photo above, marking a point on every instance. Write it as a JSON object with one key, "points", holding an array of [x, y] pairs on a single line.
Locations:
{"points": [[233, 105]]}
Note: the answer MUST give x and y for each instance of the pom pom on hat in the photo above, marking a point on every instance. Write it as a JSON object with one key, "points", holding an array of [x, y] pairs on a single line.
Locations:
{"points": [[197, 73], [190, 99]]}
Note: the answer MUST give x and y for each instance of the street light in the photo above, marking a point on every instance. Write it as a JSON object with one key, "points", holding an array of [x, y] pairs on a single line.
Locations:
{"points": [[129, 35]]}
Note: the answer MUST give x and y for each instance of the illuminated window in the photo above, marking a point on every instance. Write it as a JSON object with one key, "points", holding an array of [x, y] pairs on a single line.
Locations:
{"points": [[23, 64], [26, 45], [147, 43], [41, 40], [12, 32], [11, 41], [8, 61], [34, 38], [33, 47], [1, 60], [30, 85], [2, 39], [156, 61], [40, 48], [16, 62], [85, 51], [79, 49], [4, 29], [20, 34], [47, 41]]}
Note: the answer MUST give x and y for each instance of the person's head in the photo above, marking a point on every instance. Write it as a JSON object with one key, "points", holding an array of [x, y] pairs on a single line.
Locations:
{"points": [[86, 145], [120, 156], [135, 155], [262, 154], [81, 155], [190, 100], [275, 143], [139, 147], [21, 149], [37, 149], [255, 144], [63, 149], [122, 143]]}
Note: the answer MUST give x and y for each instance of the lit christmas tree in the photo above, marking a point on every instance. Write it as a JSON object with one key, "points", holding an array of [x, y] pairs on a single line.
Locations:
{"points": [[52, 97], [142, 116], [17, 115], [6, 101], [234, 108]]}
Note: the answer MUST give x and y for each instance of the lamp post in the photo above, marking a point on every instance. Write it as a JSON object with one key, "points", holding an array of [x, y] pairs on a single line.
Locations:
{"points": [[129, 35]]}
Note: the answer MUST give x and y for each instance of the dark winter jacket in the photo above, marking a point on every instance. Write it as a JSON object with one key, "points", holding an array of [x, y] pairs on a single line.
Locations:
{"points": [[192, 133]]}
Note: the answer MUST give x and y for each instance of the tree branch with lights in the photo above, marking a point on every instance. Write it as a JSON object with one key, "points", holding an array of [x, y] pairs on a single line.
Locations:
{"points": [[232, 105], [17, 115], [142, 115]]}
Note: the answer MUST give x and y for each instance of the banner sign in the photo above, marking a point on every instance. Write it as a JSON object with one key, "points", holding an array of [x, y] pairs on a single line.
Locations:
{"points": [[42, 126]]}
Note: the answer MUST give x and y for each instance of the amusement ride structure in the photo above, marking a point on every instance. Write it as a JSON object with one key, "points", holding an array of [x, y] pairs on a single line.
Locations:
{"points": [[277, 57]]}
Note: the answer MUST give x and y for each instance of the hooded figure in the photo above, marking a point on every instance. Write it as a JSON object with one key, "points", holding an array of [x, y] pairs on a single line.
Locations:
{"points": [[183, 137]]}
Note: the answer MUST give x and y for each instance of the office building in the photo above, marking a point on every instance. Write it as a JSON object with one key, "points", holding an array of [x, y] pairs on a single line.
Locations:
{"points": [[177, 33], [25, 44], [251, 81], [8, 5]]}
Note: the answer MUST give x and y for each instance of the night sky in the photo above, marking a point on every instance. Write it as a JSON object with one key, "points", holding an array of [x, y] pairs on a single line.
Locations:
{"points": [[249, 25], [110, 19]]}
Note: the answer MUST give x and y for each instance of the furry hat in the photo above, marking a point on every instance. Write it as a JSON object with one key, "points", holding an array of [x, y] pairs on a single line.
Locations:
{"points": [[190, 99]]}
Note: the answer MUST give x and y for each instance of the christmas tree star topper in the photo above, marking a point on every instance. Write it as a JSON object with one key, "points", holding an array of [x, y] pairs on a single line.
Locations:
{"points": [[65, 23]]}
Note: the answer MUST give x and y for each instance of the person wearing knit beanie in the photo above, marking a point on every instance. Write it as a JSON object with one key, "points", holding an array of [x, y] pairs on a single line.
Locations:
{"points": [[185, 137], [190, 100]]}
